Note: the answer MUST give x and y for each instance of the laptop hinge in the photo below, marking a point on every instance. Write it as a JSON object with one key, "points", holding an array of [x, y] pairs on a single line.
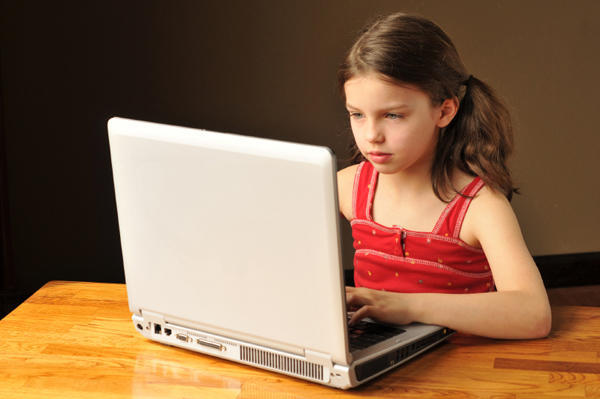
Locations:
{"points": [[318, 358]]}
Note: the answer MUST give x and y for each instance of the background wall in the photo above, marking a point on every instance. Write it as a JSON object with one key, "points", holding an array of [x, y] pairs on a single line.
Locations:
{"points": [[266, 68]]}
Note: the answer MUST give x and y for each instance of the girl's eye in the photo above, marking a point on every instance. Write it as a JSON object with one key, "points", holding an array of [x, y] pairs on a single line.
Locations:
{"points": [[356, 115], [393, 116]]}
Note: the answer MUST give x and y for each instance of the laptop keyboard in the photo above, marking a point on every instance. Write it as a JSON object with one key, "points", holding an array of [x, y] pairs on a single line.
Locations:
{"points": [[364, 334]]}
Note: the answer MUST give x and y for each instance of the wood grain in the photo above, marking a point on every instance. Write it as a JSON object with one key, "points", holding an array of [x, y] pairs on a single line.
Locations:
{"points": [[545, 365], [76, 340]]}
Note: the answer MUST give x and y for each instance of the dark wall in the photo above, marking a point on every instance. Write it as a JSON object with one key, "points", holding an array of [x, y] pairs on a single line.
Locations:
{"points": [[264, 68], [69, 66]]}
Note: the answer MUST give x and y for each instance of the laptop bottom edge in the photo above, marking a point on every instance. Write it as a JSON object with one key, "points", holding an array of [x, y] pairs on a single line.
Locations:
{"points": [[303, 367]]}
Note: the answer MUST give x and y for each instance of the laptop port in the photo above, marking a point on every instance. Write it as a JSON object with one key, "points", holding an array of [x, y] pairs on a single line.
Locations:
{"points": [[167, 331], [182, 337], [157, 328], [210, 344]]}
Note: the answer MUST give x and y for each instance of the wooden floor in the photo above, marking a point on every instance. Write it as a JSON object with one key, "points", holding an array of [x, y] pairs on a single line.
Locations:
{"points": [[587, 295]]}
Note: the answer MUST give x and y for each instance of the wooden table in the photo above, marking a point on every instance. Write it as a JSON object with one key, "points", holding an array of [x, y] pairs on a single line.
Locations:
{"points": [[76, 340]]}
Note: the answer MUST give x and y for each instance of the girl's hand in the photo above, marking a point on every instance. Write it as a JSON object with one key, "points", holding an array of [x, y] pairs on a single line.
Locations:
{"points": [[387, 307]]}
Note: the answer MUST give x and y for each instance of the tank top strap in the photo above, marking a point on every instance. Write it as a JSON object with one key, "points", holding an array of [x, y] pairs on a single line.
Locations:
{"points": [[364, 187], [450, 222]]}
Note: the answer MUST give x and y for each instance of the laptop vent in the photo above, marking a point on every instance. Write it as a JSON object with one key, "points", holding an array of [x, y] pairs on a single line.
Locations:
{"points": [[282, 363]]}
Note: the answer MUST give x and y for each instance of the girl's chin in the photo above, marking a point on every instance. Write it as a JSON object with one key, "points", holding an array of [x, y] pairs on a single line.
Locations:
{"points": [[385, 168]]}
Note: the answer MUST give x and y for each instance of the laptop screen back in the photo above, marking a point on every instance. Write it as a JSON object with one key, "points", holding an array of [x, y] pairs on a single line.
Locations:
{"points": [[231, 234]]}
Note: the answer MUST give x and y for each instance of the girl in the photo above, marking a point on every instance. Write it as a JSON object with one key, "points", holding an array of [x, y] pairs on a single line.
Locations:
{"points": [[429, 203]]}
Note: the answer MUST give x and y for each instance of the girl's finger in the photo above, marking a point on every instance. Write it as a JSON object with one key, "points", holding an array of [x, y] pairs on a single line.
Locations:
{"points": [[360, 314]]}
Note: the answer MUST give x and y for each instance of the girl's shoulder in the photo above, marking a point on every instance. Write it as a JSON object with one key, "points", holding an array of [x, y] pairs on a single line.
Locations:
{"points": [[347, 174], [488, 199], [487, 209], [345, 181]]}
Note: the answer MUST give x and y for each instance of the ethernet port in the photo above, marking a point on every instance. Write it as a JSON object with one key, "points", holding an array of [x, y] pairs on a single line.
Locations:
{"points": [[157, 328]]}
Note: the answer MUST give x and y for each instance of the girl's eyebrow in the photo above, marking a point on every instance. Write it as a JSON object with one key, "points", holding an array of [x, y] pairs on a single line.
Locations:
{"points": [[391, 106], [398, 106]]}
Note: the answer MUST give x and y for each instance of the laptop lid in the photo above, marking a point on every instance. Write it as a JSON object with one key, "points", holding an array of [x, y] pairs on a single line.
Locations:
{"points": [[231, 234]]}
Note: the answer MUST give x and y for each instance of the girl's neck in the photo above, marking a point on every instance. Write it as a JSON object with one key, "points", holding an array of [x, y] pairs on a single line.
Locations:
{"points": [[410, 183]]}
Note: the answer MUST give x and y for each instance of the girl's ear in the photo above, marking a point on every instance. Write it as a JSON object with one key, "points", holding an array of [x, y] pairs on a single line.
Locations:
{"points": [[448, 110]]}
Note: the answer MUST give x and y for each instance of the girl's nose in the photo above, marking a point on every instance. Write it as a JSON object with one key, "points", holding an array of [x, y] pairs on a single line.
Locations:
{"points": [[373, 133]]}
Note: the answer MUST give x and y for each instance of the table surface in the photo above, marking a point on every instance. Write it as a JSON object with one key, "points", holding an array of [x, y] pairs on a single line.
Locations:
{"points": [[76, 340]]}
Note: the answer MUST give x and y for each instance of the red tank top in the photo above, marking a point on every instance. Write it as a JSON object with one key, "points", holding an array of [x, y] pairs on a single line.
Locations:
{"points": [[401, 260]]}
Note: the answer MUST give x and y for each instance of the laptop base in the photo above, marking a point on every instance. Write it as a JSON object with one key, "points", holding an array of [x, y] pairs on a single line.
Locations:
{"points": [[312, 367]]}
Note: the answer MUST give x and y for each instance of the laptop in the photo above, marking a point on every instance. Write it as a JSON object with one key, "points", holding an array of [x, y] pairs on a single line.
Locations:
{"points": [[231, 248]]}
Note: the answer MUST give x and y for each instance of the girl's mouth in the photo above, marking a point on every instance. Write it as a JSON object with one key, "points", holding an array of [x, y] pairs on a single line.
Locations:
{"points": [[379, 157]]}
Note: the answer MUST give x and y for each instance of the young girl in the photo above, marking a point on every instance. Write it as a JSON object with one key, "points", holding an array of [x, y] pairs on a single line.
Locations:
{"points": [[429, 203]]}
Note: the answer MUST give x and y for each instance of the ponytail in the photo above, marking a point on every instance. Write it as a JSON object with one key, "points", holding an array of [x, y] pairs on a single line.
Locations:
{"points": [[478, 141]]}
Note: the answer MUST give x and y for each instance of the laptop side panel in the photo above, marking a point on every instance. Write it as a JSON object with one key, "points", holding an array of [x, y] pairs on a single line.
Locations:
{"points": [[231, 235], [301, 366]]}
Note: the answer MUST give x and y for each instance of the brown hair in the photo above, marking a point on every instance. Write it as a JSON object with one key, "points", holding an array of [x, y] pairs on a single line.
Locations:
{"points": [[410, 49]]}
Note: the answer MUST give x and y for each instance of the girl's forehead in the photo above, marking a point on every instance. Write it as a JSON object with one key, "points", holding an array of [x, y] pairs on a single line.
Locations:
{"points": [[373, 87]]}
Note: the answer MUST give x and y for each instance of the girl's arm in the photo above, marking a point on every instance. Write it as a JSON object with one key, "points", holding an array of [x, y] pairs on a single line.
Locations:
{"points": [[519, 308], [345, 183]]}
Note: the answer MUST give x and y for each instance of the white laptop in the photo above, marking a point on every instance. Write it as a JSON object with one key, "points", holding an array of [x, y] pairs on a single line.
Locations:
{"points": [[231, 248]]}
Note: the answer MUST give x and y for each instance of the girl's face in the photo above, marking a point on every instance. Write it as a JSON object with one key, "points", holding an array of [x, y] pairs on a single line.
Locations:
{"points": [[395, 127]]}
